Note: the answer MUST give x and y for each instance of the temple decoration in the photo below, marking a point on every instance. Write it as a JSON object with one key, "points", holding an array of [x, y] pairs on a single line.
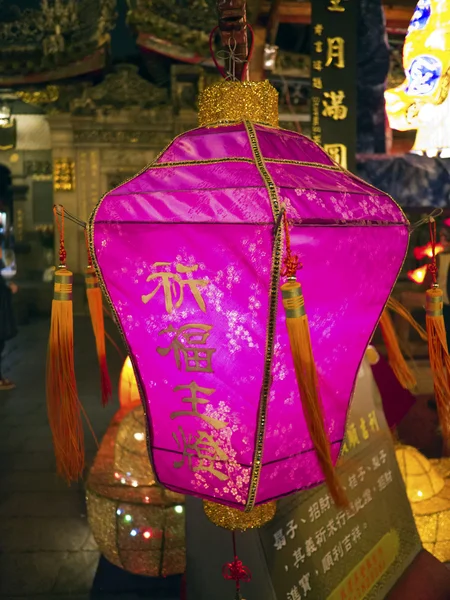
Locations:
{"points": [[122, 89], [63, 175], [56, 41], [422, 101], [137, 524], [428, 488], [190, 254]]}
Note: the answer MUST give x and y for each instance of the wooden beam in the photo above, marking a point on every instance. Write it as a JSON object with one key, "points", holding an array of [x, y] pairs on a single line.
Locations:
{"points": [[300, 12]]}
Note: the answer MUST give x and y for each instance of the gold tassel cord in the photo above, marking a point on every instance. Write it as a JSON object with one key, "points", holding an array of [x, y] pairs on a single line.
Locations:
{"points": [[437, 347], [63, 405], [439, 360], [395, 306], [306, 372], [95, 303], [395, 357]]}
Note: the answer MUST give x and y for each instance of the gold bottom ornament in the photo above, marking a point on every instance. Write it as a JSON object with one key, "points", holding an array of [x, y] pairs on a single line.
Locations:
{"points": [[238, 520]]}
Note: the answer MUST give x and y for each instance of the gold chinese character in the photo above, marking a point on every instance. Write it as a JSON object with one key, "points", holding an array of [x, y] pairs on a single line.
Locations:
{"points": [[317, 65], [373, 421], [317, 138], [188, 343], [318, 46], [335, 6], [334, 108], [338, 152], [194, 400], [204, 449], [336, 52], [344, 448], [173, 286], [318, 29], [363, 428], [352, 436], [317, 83]]}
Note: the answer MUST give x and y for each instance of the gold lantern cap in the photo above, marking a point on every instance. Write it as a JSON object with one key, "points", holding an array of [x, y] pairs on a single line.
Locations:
{"points": [[229, 102], [422, 481]]}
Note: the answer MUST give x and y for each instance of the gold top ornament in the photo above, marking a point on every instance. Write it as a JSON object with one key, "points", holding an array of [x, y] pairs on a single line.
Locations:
{"points": [[230, 102]]}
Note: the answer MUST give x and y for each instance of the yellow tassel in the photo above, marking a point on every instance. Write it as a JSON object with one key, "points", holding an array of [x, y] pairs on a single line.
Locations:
{"points": [[395, 306], [439, 359], [63, 405], [95, 302], [395, 357], [308, 385]]}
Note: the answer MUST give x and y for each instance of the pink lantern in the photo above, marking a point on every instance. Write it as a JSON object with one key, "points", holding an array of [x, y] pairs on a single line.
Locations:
{"points": [[190, 254]]}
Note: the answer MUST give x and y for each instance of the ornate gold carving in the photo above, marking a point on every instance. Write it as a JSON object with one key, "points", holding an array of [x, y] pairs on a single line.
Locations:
{"points": [[56, 33], [63, 175], [231, 102], [186, 24], [123, 89], [38, 97], [115, 136]]}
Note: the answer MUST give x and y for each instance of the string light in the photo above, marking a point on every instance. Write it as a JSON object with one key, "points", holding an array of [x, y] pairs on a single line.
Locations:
{"points": [[142, 508], [139, 436]]}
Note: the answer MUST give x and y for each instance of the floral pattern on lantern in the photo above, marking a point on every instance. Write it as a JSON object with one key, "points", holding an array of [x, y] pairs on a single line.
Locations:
{"points": [[137, 524]]}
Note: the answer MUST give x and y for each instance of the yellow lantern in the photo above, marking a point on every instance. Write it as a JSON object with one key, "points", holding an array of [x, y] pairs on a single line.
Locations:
{"points": [[128, 388], [137, 524], [428, 488]]}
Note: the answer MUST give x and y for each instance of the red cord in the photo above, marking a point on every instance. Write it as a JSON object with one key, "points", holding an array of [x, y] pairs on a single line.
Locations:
{"points": [[433, 267], [236, 571], [291, 261], [213, 56], [60, 226]]}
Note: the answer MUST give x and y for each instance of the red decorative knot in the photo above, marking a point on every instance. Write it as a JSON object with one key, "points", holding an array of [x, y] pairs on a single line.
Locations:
{"points": [[62, 254], [433, 271], [291, 263], [236, 571], [433, 266]]}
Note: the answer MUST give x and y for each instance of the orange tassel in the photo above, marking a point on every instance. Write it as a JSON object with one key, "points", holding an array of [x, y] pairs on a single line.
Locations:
{"points": [[395, 357], [63, 405], [306, 373], [95, 302], [439, 360], [437, 346]]}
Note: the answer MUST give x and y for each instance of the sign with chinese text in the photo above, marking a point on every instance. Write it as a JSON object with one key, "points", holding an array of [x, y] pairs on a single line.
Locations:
{"points": [[333, 78], [317, 552]]}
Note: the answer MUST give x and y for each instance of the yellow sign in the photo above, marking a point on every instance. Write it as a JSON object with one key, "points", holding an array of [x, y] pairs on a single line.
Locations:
{"points": [[370, 570]]}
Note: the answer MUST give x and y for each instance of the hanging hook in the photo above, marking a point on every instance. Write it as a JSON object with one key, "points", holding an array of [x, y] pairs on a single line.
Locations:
{"points": [[437, 212]]}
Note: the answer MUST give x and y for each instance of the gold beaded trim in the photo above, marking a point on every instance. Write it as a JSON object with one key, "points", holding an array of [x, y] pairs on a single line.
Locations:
{"points": [[189, 163], [229, 102], [273, 303], [282, 161]]}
